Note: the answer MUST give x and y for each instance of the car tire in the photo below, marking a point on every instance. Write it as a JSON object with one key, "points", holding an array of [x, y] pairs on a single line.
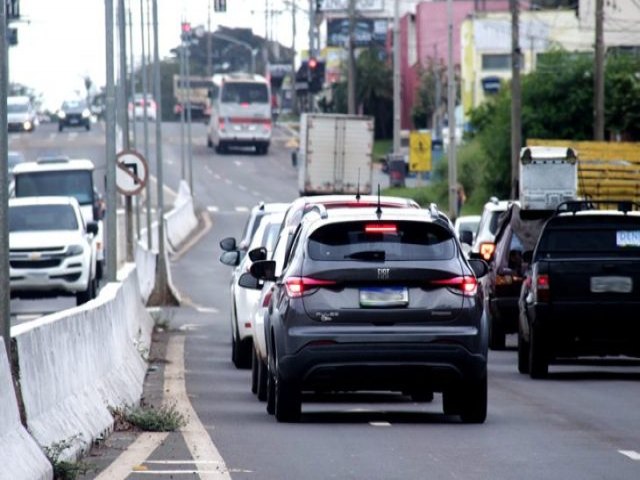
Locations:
{"points": [[451, 404], [240, 349], [262, 380], [99, 270], [523, 355], [473, 407], [87, 127], [496, 334], [538, 356], [60, 128], [209, 142], [271, 393], [84, 296], [288, 400], [254, 372]]}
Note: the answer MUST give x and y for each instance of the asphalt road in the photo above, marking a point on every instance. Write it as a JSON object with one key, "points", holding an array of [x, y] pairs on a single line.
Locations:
{"points": [[581, 423]]}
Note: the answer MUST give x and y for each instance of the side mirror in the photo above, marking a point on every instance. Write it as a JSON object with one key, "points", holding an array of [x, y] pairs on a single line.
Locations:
{"points": [[466, 236], [264, 270], [527, 256], [479, 267], [92, 228], [247, 280], [231, 259], [258, 254], [228, 244]]}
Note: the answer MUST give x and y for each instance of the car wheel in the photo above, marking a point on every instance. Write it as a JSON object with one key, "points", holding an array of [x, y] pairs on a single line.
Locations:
{"points": [[84, 296], [523, 355], [254, 372], [87, 127], [262, 380], [209, 142], [538, 357], [99, 270], [271, 393], [288, 400], [60, 128], [496, 334], [473, 408], [451, 404]]}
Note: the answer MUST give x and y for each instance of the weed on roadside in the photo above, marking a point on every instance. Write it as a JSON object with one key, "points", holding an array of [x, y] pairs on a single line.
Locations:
{"points": [[165, 418], [64, 469]]}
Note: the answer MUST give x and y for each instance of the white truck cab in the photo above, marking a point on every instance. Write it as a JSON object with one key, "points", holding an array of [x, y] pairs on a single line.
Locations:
{"points": [[62, 176]]}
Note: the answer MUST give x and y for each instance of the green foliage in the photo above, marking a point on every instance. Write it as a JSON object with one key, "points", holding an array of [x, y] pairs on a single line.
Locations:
{"points": [[149, 419], [63, 469], [427, 99], [381, 148]]}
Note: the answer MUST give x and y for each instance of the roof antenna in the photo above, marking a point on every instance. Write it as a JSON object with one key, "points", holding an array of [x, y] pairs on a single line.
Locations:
{"points": [[379, 210], [358, 187]]}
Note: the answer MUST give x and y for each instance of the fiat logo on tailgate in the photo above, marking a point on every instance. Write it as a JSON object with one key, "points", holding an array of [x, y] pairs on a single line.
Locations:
{"points": [[383, 274]]}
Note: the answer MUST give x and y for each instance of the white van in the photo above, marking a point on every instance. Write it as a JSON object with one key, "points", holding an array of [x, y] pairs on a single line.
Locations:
{"points": [[21, 114], [240, 113]]}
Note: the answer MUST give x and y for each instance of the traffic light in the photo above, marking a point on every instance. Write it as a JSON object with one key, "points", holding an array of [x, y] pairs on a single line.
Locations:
{"points": [[185, 32], [316, 74], [319, 5], [219, 5]]}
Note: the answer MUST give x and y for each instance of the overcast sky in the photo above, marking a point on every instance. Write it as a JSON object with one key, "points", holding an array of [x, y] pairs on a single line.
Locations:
{"points": [[60, 42]]}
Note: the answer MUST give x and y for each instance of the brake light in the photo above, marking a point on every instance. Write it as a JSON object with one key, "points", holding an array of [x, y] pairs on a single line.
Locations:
{"points": [[487, 249], [467, 285], [221, 123], [542, 286], [298, 286], [244, 104], [504, 279], [381, 228]]}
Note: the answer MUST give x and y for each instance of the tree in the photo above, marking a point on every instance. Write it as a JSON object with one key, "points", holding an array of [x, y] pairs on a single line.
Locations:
{"points": [[428, 99], [374, 90]]}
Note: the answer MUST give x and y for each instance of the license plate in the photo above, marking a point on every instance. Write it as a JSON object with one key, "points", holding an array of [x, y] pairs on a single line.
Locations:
{"points": [[384, 297], [611, 284], [73, 120]]}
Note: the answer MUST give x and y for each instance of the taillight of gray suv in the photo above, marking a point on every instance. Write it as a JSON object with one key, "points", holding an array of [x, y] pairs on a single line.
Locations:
{"points": [[371, 300]]}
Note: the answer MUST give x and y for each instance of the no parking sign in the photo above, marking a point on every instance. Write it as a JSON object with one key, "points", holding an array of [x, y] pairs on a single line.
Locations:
{"points": [[132, 172]]}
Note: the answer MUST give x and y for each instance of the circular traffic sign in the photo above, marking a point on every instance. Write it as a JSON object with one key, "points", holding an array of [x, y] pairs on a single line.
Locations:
{"points": [[132, 172]]}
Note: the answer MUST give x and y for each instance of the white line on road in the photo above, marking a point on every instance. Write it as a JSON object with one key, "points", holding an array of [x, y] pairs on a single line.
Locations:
{"points": [[380, 424], [632, 454], [213, 209], [178, 472], [182, 462], [256, 194], [227, 181], [238, 163], [134, 455], [217, 176], [208, 169], [51, 136], [207, 310], [242, 187], [242, 209], [72, 136]]}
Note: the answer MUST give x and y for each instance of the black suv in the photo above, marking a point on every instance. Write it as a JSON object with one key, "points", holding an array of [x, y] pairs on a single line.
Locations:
{"points": [[74, 113], [581, 296], [518, 231], [376, 300]]}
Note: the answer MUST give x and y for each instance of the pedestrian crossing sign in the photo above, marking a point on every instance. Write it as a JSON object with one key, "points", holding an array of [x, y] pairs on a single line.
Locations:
{"points": [[419, 151]]}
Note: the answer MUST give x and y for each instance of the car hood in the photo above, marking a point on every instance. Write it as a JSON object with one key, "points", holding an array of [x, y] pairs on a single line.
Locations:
{"points": [[46, 239], [18, 117]]}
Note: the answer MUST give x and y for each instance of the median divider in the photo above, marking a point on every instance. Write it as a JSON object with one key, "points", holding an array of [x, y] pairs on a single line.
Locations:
{"points": [[182, 219], [20, 456], [74, 365]]}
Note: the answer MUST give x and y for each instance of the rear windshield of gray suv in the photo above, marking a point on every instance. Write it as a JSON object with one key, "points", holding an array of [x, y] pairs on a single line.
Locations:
{"points": [[381, 240]]}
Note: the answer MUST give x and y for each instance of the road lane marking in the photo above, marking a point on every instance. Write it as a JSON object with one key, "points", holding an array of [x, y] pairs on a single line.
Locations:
{"points": [[242, 209], [256, 194], [207, 310], [134, 455], [380, 424], [195, 434], [632, 454], [213, 209], [72, 136], [242, 187], [238, 163], [227, 181], [217, 176], [208, 169], [182, 462]]}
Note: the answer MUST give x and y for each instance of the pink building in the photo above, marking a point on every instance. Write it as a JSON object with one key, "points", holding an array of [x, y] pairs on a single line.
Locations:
{"points": [[424, 35]]}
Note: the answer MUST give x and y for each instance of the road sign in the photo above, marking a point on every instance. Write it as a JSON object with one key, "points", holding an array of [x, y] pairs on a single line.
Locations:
{"points": [[420, 151], [132, 172]]}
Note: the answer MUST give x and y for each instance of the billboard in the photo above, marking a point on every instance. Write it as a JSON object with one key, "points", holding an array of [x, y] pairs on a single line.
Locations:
{"points": [[367, 32], [361, 5]]}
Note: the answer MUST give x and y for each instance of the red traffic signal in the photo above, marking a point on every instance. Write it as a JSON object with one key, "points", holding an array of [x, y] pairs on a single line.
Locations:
{"points": [[313, 63], [186, 27]]}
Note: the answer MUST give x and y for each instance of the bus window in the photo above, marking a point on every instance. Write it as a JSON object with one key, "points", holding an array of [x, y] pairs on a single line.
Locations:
{"points": [[244, 92]]}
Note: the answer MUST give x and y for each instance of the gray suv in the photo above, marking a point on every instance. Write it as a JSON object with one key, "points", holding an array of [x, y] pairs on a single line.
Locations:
{"points": [[376, 300]]}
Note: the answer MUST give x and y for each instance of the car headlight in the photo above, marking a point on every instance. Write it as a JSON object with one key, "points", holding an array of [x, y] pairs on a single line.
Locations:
{"points": [[86, 113], [27, 125], [74, 250], [61, 114]]}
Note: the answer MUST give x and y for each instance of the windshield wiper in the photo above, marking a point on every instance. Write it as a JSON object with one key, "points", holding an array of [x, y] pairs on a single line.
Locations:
{"points": [[377, 255]]}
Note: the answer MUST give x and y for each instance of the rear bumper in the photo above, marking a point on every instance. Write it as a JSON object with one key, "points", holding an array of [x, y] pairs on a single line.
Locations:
{"points": [[588, 328], [244, 138], [391, 362]]}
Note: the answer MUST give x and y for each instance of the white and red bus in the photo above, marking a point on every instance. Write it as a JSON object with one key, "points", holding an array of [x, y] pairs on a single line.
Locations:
{"points": [[240, 113]]}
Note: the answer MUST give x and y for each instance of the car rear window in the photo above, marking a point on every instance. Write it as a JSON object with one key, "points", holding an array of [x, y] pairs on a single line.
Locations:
{"points": [[615, 239], [378, 241]]}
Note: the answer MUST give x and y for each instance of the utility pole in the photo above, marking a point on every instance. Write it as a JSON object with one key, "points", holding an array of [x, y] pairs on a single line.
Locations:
{"points": [[437, 122], [110, 139], [451, 117], [598, 101], [189, 148], [209, 42], [145, 121], [397, 112], [122, 41], [5, 296], [133, 127], [161, 272], [312, 54], [351, 61], [183, 146], [294, 93], [516, 99]]}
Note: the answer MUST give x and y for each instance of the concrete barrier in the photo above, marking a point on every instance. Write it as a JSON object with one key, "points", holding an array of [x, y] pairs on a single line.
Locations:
{"points": [[181, 220], [20, 455], [76, 364], [146, 269]]}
